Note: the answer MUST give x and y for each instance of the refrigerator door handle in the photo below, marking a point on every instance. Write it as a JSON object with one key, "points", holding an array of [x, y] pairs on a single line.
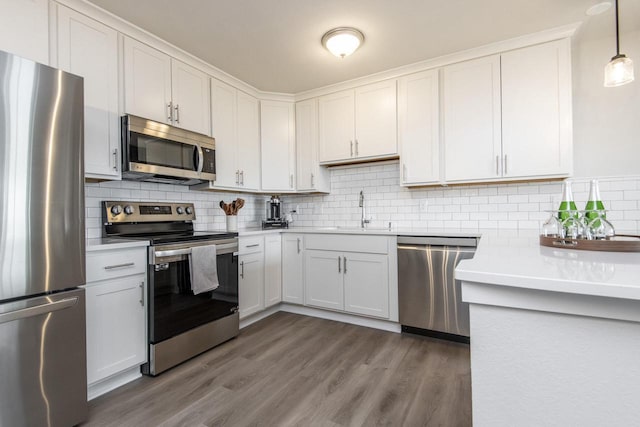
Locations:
{"points": [[38, 309]]}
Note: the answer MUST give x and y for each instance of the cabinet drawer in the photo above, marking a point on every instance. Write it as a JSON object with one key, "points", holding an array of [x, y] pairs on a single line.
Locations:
{"points": [[250, 245], [347, 243], [102, 265]]}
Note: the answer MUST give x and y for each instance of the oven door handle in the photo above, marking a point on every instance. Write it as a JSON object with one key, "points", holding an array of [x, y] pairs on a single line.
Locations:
{"points": [[220, 250]]}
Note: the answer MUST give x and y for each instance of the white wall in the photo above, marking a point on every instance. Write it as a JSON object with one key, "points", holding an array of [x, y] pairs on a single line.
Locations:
{"points": [[606, 121]]}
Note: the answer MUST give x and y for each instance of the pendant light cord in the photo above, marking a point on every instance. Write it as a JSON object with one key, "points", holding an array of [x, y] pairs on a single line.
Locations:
{"points": [[617, 32]]}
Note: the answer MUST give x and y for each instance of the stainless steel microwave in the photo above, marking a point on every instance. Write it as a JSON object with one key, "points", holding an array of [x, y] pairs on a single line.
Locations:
{"points": [[158, 152]]}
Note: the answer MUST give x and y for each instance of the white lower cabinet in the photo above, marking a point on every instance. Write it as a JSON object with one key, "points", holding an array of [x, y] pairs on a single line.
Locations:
{"points": [[116, 330], [116, 293], [292, 268], [366, 284], [324, 284], [348, 279], [251, 283], [272, 269]]}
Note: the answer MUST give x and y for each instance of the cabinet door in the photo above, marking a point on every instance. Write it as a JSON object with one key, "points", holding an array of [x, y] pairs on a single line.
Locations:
{"points": [[306, 143], [336, 126], [366, 284], [292, 271], [116, 329], [24, 29], [278, 145], [147, 82], [472, 135], [376, 129], [323, 280], [248, 142], [190, 94], [536, 110], [419, 128], [272, 269], [251, 283], [90, 49], [223, 121]]}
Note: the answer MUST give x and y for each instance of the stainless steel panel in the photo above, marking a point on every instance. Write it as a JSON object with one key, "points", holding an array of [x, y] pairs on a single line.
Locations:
{"points": [[182, 176], [136, 216], [437, 241], [429, 296], [43, 363], [41, 179], [173, 351], [161, 255], [164, 131]]}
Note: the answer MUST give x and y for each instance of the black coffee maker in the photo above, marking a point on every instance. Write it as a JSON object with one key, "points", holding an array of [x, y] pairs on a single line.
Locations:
{"points": [[274, 214]]}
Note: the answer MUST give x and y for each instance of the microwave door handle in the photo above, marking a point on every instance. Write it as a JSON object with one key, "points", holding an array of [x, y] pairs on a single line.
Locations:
{"points": [[199, 160]]}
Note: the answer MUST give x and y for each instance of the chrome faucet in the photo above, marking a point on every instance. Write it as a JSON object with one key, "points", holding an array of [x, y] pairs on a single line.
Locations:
{"points": [[363, 219]]}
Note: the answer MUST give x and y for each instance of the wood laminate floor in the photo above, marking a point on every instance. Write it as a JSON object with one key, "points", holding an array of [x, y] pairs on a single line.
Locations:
{"points": [[293, 370]]}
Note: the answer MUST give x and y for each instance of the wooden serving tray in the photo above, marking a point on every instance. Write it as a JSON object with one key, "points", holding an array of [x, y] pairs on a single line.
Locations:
{"points": [[619, 243]]}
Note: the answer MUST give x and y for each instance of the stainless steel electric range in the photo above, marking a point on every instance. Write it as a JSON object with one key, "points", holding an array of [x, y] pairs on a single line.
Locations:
{"points": [[181, 324]]}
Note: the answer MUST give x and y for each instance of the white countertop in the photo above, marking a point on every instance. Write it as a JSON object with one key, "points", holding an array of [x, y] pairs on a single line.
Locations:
{"points": [[105, 244], [516, 259], [425, 232]]}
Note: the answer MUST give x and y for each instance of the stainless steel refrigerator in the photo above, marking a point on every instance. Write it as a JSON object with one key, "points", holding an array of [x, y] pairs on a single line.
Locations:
{"points": [[42, 247]]}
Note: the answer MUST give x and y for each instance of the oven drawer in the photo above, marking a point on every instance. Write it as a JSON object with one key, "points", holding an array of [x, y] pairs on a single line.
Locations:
{"points": [[103, 265], [250, 245]]}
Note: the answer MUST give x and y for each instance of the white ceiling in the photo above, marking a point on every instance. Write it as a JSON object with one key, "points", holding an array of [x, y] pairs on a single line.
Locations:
{"points": [[275, 45]]}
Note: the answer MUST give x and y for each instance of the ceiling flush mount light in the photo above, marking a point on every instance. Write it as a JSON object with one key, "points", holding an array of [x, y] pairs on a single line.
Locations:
{"points": [[599, 8], [342, 41], [619, 70]]}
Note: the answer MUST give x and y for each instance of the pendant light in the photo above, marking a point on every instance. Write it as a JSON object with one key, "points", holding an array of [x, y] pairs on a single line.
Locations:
{"points": [[342, 41], [619, 70]]}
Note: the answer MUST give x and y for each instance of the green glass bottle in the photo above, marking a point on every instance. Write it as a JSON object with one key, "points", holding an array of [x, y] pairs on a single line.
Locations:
{"points": [[594, 203], [567, 205]]}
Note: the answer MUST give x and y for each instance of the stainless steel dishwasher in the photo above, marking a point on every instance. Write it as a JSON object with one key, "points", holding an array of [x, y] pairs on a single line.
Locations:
{"points": [[429, 296]]}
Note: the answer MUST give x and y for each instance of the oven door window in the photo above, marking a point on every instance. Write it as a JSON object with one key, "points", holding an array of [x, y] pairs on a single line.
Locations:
{"points": [[175, 309], [162, 152]]}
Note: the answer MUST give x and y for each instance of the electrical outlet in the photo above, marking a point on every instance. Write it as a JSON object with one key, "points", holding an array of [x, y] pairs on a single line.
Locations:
{"points": [[424, 203]]}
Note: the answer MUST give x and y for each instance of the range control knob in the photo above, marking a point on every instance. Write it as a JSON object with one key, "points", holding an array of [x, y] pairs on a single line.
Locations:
{"points": [[189, 210], [179, 210], [116, 210], [128, 209]]}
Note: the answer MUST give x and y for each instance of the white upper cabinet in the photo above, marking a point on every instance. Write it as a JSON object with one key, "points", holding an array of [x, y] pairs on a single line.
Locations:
{"points": [[536, 110], [336, 126], [90, 49], [358, 124], [248, 122], [419, 128], [190, 95], [472, 136], [310, 176], [24, 29], [147, 82], [277, 124], [508, 116], [165, 90], [376, 131], [235, 119]]}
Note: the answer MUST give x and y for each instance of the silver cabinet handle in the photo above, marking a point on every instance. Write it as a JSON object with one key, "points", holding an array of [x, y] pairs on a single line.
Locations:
{"points": [[142, 294], [505, 164], [237, 177], [339, 267], [345, 265], [404, 172], [241, 177], [497, 165], [125, 265], [242, 269], [351, 142], [356, 148], [291, 181], [115, 159], [177, 108], [37, 310], [298, 239], [253, 246], [311, 180], [170, 116]]}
